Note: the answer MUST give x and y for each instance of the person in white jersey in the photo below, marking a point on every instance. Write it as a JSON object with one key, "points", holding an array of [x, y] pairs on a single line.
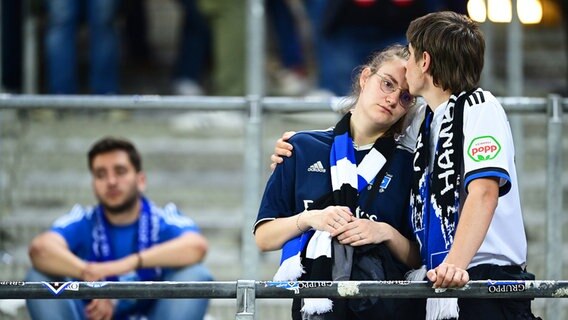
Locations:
{"points": [[465, 206], [464, 203]]}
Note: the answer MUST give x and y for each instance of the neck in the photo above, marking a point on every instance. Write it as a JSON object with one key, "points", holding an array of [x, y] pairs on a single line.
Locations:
{"points": [[125, 217], [435, 98], [363, 130]]}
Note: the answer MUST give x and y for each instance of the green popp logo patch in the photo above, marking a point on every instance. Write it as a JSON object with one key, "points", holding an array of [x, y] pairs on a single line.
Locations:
{"points": [[483, 148]]}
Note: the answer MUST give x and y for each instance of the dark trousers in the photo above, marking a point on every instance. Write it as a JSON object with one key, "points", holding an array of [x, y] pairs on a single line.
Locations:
{"points": [[497, 309]]}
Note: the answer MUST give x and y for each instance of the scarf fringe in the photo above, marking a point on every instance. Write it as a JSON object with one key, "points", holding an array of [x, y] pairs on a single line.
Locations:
{"points": [[416, 274], [436, 308], [290, 269], [317, 305], [442, 308]]}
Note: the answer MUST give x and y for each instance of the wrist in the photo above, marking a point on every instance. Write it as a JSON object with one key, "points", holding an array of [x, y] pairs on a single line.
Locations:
{"points": [[83, 271], [456, 262], [388, 232], [139, 261], [299, 225]]}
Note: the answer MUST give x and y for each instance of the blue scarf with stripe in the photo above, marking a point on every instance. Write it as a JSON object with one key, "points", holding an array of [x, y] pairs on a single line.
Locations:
{"points": [[148, 230], [326, 258], [435, 196]]}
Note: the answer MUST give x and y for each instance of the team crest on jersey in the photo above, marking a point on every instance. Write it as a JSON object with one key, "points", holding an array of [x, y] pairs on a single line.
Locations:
{"points": [[385, 183], [483, 148]]}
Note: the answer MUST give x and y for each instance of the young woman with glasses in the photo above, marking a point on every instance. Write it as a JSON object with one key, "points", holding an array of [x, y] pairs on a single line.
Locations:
{"points": [[346, 190]]}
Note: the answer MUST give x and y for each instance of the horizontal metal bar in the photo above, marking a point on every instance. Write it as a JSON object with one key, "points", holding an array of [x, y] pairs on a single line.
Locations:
{"points": [[270, 289], [116, 290], [271, 104], [135, 102], [413, 289], [524, 104]]}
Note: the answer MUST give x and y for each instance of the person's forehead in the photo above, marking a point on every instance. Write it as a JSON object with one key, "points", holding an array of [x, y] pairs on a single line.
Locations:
{"points": [[112, 158], [393, 66]]}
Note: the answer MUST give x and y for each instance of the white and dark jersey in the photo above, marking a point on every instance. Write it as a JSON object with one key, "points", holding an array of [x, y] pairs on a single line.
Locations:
{"points": [[304, 178], [488, 151]]}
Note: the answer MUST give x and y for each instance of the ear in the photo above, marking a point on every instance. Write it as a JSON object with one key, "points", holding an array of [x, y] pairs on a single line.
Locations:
{"points": [[426, 60], [364, 77], [141, 181]]}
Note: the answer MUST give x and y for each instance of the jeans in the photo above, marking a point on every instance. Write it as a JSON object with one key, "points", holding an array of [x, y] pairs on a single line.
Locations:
{"points": [[166, 309], [194, 44], [227, 22], [286, 32], [11, 45], [61, 51]]}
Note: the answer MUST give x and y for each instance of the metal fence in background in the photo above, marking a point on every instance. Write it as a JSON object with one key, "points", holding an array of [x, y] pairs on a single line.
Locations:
{"points": [[255, 107]]}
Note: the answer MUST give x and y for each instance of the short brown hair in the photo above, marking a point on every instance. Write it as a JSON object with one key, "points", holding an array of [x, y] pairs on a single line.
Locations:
{"points": [[456, 46], [109, 144]]}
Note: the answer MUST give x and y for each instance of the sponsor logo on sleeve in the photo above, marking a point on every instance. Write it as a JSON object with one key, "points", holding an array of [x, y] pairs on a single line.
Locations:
{"points": [[483, 148], [385, 183]]}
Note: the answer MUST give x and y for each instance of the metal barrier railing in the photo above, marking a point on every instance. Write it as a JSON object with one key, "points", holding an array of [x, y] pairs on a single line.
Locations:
{"points": [[247, 291], [255, 106]]}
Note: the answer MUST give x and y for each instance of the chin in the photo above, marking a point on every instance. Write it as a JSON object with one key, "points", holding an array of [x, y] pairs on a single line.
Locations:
{"points": [[114, 209], [120, 206]]}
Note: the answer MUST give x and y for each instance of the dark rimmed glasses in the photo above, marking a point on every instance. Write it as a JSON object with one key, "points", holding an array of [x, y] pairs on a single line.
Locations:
{"points": [[405, 99]]}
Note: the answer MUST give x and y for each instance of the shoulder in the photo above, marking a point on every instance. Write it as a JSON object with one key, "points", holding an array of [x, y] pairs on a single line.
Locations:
{"points": [[171, 215], [414, 121], [77, 214], [312, 137], [417, 116], [482, 106], [481, 99]]}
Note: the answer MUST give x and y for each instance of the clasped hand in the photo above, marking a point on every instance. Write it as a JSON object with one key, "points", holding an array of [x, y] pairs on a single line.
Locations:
{"points": [[349, 230]]}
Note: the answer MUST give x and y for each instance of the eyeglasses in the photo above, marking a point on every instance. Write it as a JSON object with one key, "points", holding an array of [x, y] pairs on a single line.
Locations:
{"points": [[405, 99]]}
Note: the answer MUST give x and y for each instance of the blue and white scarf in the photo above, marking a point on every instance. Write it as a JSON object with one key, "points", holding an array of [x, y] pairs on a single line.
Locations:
{"points": [[434, 196], [148, 235], [347, 180]]}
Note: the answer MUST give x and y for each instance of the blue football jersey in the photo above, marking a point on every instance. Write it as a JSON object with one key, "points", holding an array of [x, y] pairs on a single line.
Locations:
{"points": [[77, 229], [304, 178]]}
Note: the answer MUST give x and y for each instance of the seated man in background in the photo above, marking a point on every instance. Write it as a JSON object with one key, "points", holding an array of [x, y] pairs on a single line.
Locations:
{"points": [[124, 238]]}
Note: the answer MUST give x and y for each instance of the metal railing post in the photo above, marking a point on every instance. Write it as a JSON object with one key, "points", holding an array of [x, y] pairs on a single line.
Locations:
{"points": [[488, 72], [255, 47], [515, 87], [253, 138], [1, 48], [246, 299], [554, 189], [251, 187]]}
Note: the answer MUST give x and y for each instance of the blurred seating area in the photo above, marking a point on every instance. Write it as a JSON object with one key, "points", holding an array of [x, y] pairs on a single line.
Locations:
{"points": [[169, 47]]}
